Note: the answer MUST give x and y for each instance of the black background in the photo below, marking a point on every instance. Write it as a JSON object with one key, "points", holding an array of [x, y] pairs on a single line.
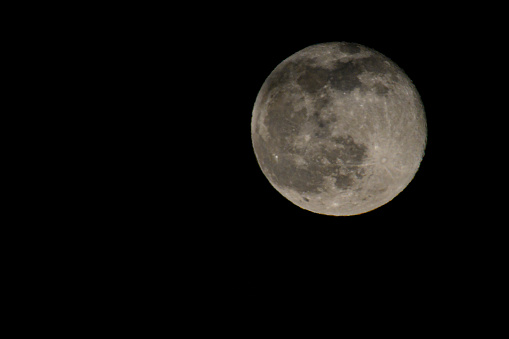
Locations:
{"points": [[439, 225], [232, 205], [243, 60], [228, 232], [179, 207]]}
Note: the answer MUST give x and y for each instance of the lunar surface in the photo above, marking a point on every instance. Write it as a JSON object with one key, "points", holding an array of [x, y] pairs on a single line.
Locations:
{"points": [[338, 129]]}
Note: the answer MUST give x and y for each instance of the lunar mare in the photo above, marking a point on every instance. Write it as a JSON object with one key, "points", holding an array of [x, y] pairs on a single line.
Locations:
{"points": [[338, 129]]}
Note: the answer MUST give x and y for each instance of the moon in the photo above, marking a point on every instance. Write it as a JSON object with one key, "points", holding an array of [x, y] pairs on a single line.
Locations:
{"points": [[338, 129]]}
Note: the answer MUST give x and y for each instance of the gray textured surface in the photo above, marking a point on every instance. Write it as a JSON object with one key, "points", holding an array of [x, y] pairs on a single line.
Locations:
{"points": [[338, 129]]}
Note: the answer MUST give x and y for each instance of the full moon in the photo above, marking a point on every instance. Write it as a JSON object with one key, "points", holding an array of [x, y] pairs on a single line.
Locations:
{"points": [[338, 129]]}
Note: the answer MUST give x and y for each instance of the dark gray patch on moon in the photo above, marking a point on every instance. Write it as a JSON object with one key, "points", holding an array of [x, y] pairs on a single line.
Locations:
{"points": [[380, 89], [281, 76], [307, 179], [341, 160], [349, 151], [322, 103], [343, 181], [345, 76], [350, 48], [313, 79], [284, 120], [322, 124], [375, 64]]}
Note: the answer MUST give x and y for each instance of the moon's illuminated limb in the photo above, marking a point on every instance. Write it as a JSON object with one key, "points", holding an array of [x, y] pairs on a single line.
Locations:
{"points": [[338, 129]]}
